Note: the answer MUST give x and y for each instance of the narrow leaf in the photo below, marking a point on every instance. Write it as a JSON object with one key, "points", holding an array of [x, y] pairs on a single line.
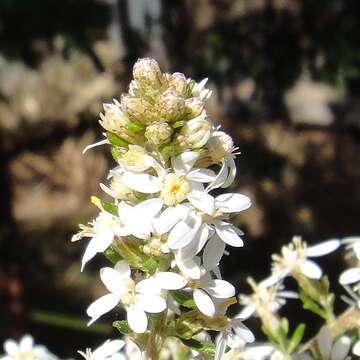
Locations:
{"points": [[296, 338], [116, 140]]}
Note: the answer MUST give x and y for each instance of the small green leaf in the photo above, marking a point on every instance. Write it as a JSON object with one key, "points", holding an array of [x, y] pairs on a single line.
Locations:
{"points": [[112, 255], [116, 154], [122, 326], [205, 348], [150, 266], [135, 127], [116, 140], [182, 299], [309, 304], [296, 338], [177, 124], [109, 207]]}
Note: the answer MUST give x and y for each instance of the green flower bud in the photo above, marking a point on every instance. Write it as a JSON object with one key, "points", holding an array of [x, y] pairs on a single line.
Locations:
{"points": [[158, 133], [147, 72]]}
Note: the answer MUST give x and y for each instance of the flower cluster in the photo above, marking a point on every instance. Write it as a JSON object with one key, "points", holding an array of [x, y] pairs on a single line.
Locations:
{"points": [[163, 228]]}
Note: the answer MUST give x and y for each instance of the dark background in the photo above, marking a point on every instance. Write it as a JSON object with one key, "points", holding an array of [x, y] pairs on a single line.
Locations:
{"points": [[285, 75]]}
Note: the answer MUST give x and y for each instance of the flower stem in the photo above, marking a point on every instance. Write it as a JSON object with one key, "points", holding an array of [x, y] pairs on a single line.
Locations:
{"points": [[156, 336]]}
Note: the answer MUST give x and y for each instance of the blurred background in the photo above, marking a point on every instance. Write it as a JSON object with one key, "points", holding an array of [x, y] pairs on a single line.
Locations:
{"points": [[286, 81]]}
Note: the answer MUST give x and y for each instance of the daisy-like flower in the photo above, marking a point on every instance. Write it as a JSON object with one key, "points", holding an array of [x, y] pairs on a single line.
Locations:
{"points": [[109, 350], [330, 349], [190, 234], [233, 334], [145, 296], [206, 291], [25, 349], [296, 254], [176, 186], [266, 294], [101, 231]]}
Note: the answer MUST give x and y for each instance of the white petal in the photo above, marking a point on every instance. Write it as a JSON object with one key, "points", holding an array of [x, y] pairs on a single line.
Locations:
{"points": [[102, 142], [185, 161], [170, 280], [350, 276], [213, 252], [202, 201], [123, 268], [220, 177], [325, 342], [26, 343], [323, 248], [11, 347], [148, 286], [196, 244], [341, 348], [220, 289], [228, 233], [204, 302], [311, 269], [356, 248], [90, 252], [144, 183], [220, 345], [148, 208], [168, 218], [151, 303], [108, 348], [242, 331], [246, 312], [356, 348], [184, 232], [102, 306], [137, 319], [189, 267], [113, 280], [232, 202], [201, 175], [232, 172]]}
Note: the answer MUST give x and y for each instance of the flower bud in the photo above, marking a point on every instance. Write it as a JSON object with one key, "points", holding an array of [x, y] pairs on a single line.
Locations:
{"points": [[147, 72], [220, 145], [170, 106], [115, 121], [178, 82], [195, 133], [134, 159], [158, 133], [194, 107], [137, 109]]}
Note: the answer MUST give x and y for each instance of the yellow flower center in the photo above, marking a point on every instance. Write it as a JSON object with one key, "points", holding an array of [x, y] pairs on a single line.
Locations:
{"points": [[175, 189]]}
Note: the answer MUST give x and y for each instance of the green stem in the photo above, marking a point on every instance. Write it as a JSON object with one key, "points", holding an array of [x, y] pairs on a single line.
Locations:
{"points": [[156, 336]]}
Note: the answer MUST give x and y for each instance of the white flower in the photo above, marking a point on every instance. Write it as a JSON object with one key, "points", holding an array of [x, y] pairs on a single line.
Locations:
{"points": [[200, 91], [109, 350], [145, 296], [350, 276], [26, 350], [191, 233], [102, 231], [296, 254], [266, 294], [331, 350], [208, 290], [233, 335], [222, 150], [356, 348], [176, 186]]}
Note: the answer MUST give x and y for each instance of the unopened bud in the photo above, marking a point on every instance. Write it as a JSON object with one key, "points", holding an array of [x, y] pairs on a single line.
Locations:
{"points": [[179, 83], [220, 145], [147, 72], [170, 105], [137, 109], [158, 133], [194, 106], [195, 133]]}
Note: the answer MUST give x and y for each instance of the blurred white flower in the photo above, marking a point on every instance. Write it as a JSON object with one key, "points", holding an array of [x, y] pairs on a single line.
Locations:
{"points": [[25, 349], [330, 349], [109, 350], [296, 254]]}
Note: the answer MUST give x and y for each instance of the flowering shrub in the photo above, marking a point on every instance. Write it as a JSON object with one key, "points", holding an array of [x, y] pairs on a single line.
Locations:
{"points": [[165, 233]]}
